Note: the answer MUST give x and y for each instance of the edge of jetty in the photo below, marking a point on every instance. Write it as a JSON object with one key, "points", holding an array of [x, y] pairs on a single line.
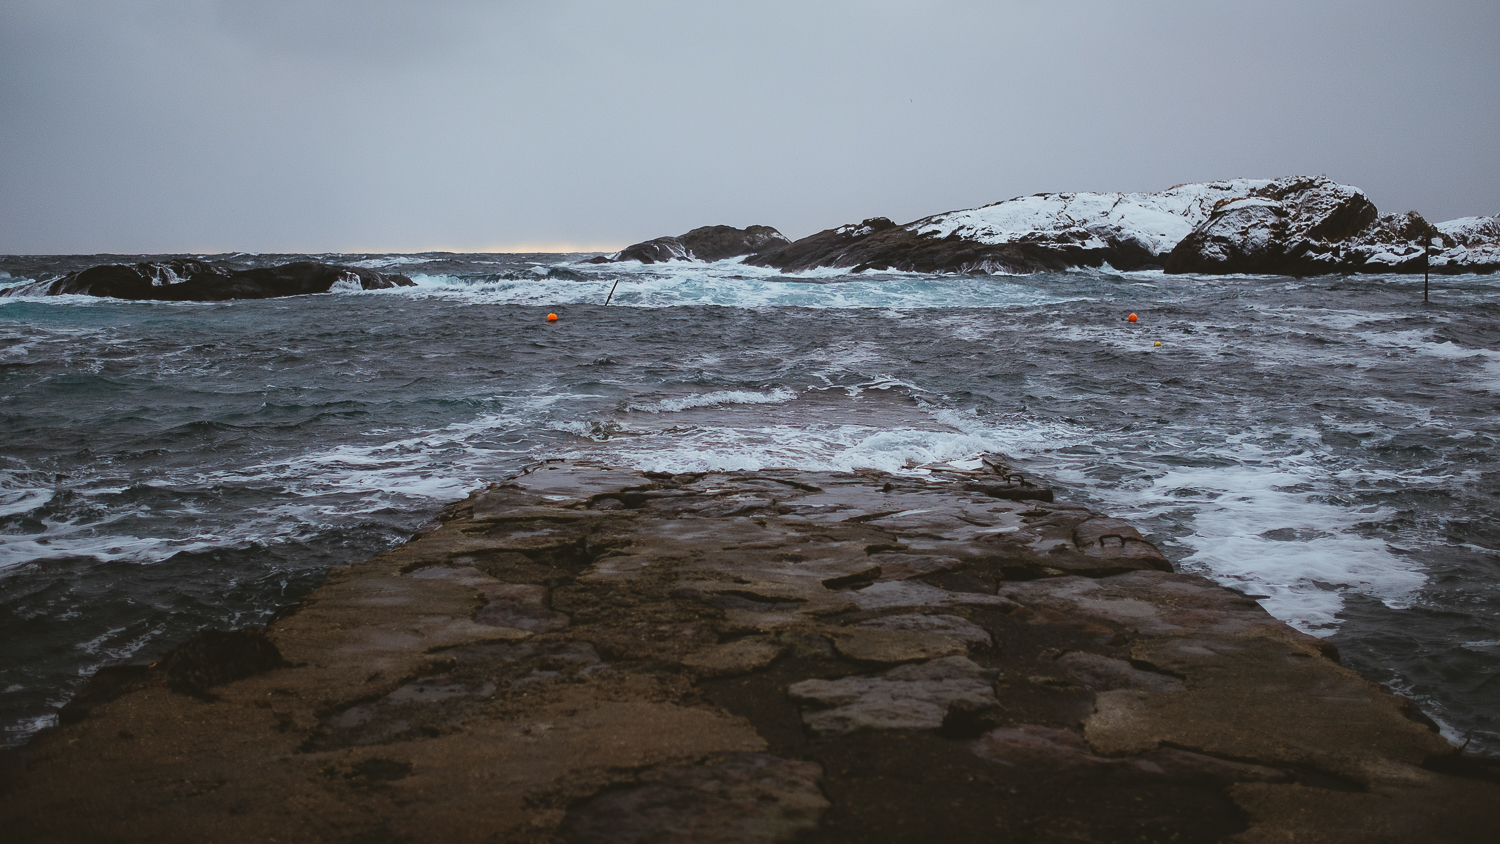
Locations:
{"points": [[585, 653]]}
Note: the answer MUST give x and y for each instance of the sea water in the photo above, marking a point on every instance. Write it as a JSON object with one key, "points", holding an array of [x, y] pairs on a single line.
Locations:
{"points": [[1329, 446]]}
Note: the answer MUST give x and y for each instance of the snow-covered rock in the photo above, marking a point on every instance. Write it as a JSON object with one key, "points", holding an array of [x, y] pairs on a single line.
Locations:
{"points": [[1152, 222], [1245, 234], [1313, 226], [1281, 227], [1049, 231], [1300, 225], [1480, 232], [1392, 243], [1468, 244]]}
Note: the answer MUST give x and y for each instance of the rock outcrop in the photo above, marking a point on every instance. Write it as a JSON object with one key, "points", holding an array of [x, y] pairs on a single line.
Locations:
{"points": [[1273, 229], [1052, 231], [197, 281], [1311, 226], [1295, 226], [707, 243], [591, 654]]}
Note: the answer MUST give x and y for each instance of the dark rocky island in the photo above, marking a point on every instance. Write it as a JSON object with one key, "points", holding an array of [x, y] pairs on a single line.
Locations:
{"points": [[590, 654], [707, 243], [199, 281], [1290, 226]]}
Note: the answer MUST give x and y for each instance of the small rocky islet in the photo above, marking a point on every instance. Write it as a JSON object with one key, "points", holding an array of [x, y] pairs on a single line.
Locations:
{"points": [[189, 280], [1296, 226], [588, 653]]}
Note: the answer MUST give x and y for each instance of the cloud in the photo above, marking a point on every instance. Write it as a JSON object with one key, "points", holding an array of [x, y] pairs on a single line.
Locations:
{"points": [[332, 124], [366, 34]]}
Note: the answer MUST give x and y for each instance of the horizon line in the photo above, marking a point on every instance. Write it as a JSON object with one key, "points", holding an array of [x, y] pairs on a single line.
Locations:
{"points": [[489, 249]]}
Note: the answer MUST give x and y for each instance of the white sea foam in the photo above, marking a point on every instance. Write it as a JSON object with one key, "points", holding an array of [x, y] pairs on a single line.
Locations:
{"points": [[1261, 523], [732, 284], [716, 398], [63, 541], [389, 261], [1241, 515], [347, 283], [830, 448], [1264, 521], [23, 500], [1369, 332]]}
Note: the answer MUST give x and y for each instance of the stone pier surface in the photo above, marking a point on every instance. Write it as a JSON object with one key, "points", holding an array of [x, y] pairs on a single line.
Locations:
{"points": [[593, 654]]}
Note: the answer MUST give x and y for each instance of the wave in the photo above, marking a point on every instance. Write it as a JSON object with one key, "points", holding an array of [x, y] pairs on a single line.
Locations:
{"points": [[729, 284], [715, 399], [1268, 516], [24, 492], [827, 448]]}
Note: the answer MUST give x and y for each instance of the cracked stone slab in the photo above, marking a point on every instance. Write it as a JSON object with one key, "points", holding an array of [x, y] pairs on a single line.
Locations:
{"points": [[1153, 603], [1103, 673], [1267, 699], [903, 594], [754, 798], [522, 606], [907, 638], [1436, 809], [1037, 748], [912, 697], [738, 657]]}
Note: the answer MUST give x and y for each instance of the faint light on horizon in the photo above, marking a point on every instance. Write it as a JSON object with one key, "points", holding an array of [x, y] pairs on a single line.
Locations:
{"points": [[492, 248]]}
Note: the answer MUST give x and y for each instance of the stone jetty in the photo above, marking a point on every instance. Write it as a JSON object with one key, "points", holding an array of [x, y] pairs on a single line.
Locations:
{"points": [[585, 653]]}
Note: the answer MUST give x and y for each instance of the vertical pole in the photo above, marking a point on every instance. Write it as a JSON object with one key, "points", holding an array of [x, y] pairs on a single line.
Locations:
{"points": [[611, 292], [1426, 266]]}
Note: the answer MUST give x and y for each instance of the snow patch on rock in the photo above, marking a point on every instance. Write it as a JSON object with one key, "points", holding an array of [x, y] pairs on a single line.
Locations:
{"points": [[1154, 221]]}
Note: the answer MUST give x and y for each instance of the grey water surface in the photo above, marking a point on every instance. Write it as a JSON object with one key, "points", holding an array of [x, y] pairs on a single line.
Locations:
{"points": [[1328, 445]]}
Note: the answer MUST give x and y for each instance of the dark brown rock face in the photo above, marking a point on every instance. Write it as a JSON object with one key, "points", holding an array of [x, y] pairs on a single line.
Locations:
{"points": [[196, 281], [715, 243], [707, 243], [1311, 226], [1278, 228], [879, 244], [215, 657], [1217, 227], [1043, 232], [585, 653], [122, 281]]}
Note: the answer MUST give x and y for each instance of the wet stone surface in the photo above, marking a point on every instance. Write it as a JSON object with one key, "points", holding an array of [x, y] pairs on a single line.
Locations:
{"points": [[585, 653]]}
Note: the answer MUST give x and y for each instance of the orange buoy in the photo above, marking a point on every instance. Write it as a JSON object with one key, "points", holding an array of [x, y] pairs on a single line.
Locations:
{"points": [[1131, 318], [552, 317], [1158, 343]]}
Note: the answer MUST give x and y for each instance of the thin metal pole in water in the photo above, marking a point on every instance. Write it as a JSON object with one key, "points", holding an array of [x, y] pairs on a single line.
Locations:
{"points": [[1426, 266], [611, 292]]}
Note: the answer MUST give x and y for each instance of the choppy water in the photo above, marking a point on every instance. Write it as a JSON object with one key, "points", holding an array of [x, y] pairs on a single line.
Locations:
{"points": [[1328, 445]]}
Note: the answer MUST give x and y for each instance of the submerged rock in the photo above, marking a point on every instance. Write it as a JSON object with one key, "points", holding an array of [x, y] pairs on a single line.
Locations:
{"points": [[197, 281], [707, 243]]}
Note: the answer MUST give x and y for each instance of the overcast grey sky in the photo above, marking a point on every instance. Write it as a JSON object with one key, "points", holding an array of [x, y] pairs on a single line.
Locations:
{"points": [[383, 125]]}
